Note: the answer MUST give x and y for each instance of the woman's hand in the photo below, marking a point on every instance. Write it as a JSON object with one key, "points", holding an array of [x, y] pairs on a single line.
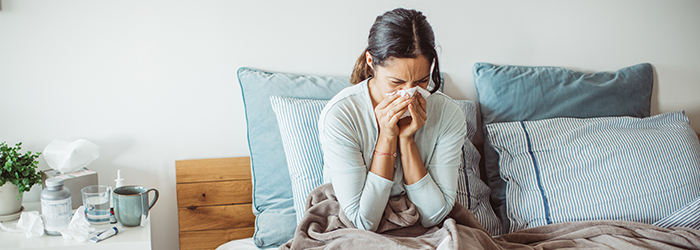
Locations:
{"points": [[409, 125], [388, 113], [413, 168]]}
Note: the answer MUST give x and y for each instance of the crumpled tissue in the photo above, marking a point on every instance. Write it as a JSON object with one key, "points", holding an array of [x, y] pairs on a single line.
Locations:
{"points": [[29, 223], [410, 93], [68, 157], [79, 228]]}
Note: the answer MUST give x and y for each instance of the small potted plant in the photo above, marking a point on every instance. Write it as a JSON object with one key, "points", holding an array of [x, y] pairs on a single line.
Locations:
{"points": [[18, 173]]}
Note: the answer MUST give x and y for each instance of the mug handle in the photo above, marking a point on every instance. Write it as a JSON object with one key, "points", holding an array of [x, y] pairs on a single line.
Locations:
{"points": [[155, 198]]}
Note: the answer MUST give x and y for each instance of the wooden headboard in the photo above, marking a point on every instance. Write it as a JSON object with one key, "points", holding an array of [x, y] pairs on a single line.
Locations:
{"points": [[214, 201]]}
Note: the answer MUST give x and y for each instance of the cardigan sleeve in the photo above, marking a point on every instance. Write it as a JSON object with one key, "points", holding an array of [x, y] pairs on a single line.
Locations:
{"points": [[362, 195], [443, 171]]}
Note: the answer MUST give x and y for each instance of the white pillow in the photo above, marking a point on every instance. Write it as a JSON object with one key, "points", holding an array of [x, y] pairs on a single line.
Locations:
{"points": [[607, 168]]}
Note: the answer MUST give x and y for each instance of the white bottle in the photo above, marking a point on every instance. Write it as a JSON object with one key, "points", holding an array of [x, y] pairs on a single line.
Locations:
{"points": [[119, 182], [56, 206]]}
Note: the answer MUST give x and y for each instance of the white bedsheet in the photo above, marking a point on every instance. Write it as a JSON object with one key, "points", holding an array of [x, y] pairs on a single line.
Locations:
{"points": [[242, 244], [248, 244]]}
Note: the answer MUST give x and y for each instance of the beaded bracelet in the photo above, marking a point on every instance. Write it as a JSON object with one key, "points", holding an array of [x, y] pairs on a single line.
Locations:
{"points": [[382, 153]]}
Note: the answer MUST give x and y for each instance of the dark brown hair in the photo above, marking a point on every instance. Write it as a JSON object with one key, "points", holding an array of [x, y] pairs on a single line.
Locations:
{"points": [[399, 33]]}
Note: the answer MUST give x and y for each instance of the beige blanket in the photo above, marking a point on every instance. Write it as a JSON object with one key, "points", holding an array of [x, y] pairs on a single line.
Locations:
{"points": [[325, 226]]}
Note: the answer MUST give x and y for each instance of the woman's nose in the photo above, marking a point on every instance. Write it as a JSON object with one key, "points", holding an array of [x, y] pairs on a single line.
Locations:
{"points": [[409, 85]]}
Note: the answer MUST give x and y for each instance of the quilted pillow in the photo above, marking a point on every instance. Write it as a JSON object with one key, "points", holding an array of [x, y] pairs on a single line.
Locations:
{"points": [[520, 93], [273, 204], [472, 192], [604, 168]]}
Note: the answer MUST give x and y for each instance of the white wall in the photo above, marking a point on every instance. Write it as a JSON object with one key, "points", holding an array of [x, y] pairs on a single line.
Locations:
{"points": [[152, 82]]}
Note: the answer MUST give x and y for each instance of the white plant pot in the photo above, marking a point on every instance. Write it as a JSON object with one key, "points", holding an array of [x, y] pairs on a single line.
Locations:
{"points": [[9, 204]]}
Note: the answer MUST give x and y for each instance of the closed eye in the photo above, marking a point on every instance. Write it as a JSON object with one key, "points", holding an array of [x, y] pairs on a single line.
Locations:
{"points": [[425, 79], [397, 81]]}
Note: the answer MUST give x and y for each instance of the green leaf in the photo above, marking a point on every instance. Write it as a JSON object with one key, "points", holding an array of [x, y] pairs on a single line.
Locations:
{"points": [[17, 168]]}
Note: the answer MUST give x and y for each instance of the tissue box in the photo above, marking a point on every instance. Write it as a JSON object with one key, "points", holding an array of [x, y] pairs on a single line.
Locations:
{"points": [[73, 181]]}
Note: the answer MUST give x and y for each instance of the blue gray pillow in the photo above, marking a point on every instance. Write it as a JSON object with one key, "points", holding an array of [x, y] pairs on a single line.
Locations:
{"points": [[521, 93], [273, 203]]}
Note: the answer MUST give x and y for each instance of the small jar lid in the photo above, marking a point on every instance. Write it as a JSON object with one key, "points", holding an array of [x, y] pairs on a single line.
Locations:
{"points": [[54, 182]]}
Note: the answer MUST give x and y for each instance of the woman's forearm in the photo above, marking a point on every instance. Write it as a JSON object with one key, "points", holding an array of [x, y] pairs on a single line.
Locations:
{"points": [[384, 157], [413, 168]]}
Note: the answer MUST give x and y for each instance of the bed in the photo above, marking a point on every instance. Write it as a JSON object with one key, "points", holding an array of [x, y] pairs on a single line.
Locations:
{"points": [[551, 156]]}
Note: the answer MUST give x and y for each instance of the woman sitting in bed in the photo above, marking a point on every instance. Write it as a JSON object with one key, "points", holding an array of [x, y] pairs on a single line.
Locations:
{"points": [[371, 153]]}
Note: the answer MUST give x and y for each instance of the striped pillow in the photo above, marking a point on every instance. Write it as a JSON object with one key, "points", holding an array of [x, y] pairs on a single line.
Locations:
{"points": [[688, 216], [298, 122], [607, 168], [472, 192]]}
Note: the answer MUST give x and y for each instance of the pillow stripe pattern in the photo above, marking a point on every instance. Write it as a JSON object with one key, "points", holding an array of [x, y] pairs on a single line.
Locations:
{"points": [[537, 174], [688, 216], [472, 192], [607, 168], [298, 123]]}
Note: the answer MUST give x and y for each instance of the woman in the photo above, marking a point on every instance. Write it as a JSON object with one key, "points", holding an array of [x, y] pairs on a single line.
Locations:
{"points": [[370, 153]]}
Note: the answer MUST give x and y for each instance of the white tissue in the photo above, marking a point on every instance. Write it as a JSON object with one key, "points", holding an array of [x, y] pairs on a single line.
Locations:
{"points": [[68, 157], [29, 223], [410, 92], [79, 228]]}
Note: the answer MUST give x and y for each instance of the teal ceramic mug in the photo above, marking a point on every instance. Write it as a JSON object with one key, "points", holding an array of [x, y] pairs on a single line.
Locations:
{"points": [[131, 204]]}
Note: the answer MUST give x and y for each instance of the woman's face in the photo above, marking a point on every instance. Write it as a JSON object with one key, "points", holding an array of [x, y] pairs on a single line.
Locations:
{"points": [[398, 73]]}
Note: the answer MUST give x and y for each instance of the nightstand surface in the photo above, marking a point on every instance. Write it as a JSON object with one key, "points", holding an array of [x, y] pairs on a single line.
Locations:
{"points": [[132, 238]]}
